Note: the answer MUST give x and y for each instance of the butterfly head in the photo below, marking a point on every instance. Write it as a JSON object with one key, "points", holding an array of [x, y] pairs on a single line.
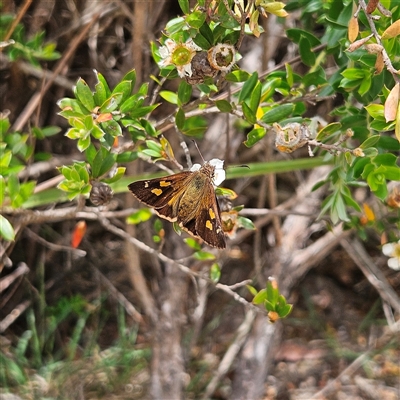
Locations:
{"points": [[214, 169]]}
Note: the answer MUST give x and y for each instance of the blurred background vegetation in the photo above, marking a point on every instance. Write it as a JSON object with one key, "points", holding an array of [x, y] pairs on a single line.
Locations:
{"points": [[102, 299]]}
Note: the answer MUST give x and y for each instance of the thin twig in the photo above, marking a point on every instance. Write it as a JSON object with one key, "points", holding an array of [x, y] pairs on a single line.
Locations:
{"points": [[128, 306], [231, 353], [358, 362], [169, 261], [377, 37], [376, 278], [14, 314], [35, 100], [10, 278], [53, 246], [16, 21]]}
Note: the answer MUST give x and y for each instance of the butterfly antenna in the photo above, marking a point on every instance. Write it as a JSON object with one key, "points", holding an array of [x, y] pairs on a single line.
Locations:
{"points": [[197, 147]]}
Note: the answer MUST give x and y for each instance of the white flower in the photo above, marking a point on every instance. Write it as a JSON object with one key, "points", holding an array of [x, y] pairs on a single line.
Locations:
{"points": [[219, 172], [178, 54], [392, 250]]}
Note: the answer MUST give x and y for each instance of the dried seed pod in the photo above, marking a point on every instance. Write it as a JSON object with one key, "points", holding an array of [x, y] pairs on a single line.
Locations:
{"points": [[201, 69], [290, 137], [372, 4], [222, 57], [101, 194]]}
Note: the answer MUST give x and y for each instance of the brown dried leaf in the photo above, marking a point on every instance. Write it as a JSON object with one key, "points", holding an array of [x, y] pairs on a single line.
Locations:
{"points": [[379, 64], [384, 11], [353, 29], [392, 31], [373, 48], [392, 103], [397, 126], [371, 6], [358, 43]]}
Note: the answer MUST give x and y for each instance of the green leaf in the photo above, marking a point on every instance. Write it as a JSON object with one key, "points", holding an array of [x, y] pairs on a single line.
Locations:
{"points": [[207, 33], [129, 104], [2, 189], [370, 142], [192, 243], [104, 84], [201, 41], [142, 215], [215, 273], [123, 88], [130, 76], [365, 85], [285, 310], [111, 103], [255, 98], [296, 35], [252, 290], [13, 186], [151, 144], [84, 94], [119, 173], [149, 128], [203, 255], [6, 229], [392, 173], [171, 97], [260, 297], [142, 111], [254, 136], [351, 202], [180, 119], [184, 5], [102, 163], [237, 76], [245, 223], [196, 19], [272, 293], [112, 128], [151, 153], [278, 113], [223, 105], [83, 143], [328, 130], [375, 110], [306, 53], [249, 114], [100, 93], [184, 93], [27, 189], [248, 87], [5, 159]]}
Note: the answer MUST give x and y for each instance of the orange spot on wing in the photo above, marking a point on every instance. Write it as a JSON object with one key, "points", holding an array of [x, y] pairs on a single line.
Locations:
{"points": [[157, 192], [165, 183]]}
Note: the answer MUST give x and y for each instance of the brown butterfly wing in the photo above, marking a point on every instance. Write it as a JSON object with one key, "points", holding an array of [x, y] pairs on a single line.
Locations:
{"points": [[208, 222], [158, 192]]}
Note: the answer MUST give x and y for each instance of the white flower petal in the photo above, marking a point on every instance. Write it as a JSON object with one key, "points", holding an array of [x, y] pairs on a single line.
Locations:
{"points": [[166, 61], [219, 176], [388, 249], [195, 167], [164, 52], [192, 45], [170, 44], [184, 70], [394, 263], [219, 173]]}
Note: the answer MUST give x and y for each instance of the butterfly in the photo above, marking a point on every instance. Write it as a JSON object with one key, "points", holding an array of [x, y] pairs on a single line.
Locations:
{"points": [[189, 199]]}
